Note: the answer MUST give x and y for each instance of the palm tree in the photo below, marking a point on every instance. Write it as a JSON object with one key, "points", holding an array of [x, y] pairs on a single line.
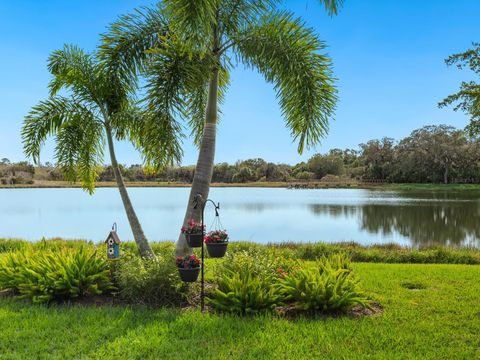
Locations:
{"points": [[190, 52], [98, 106]]}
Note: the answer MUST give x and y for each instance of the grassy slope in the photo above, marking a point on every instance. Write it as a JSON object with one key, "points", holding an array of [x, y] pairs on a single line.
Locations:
{"points": [[441, 321]]}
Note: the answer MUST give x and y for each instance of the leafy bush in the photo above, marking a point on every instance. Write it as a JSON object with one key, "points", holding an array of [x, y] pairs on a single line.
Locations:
{"points": [[328, 286], [43, 276], [243, 293], [59, 244], [245, 283], [7, 245], [152, 282]]}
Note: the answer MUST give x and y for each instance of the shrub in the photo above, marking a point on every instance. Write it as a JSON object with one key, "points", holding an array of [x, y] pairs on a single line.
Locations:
{"points": [[245, 284], [243, 293], [328, 286], [43, 276], [7, 245], [153, 282]]}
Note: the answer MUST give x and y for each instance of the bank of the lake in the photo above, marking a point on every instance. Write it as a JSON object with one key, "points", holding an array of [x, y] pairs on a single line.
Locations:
{"points": [[38, 184], [429, 312]]}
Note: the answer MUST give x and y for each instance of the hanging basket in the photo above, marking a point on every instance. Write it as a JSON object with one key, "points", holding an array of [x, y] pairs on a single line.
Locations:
{"points": [[217, 250], [194, 240], [189, 275]]}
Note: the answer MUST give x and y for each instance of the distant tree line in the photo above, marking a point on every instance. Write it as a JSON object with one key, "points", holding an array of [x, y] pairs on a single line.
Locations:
{"points": [[432, 154]]}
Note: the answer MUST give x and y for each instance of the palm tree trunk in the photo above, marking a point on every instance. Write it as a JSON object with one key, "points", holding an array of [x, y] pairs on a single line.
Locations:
{"points": [[206, 158], [142, 243]]}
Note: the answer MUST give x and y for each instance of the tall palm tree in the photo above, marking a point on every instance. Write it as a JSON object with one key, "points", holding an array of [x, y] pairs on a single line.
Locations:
{"points": [[98, 106], [198, 42]]}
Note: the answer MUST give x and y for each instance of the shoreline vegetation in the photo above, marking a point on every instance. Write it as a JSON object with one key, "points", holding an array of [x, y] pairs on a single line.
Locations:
{"points": [[375, 253], [38, 184]]}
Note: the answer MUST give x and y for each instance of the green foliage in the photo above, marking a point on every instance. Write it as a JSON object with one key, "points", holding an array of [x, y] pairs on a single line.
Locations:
{"points": [[249, 284], [153, 282], [385, 253], [46, 275], [243, 293], [467, 99], [326, 286], [286, 53], [322, 165], [245, 285], [7, 245]]}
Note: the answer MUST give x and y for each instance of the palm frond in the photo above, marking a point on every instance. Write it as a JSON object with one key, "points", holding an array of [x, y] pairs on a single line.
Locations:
{"points": [[123, 49], [235, 15], [79, 149], [75, 70], [332, 6], [44, 120], [286, 52], [194, 20], [175, 90]]}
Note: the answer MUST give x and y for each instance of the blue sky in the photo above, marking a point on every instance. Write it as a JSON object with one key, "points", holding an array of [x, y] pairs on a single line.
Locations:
{"points": [[387, 54]]}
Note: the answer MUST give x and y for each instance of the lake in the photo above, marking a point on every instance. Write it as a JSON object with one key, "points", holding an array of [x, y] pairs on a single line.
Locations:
{"points": [[255, 214]]}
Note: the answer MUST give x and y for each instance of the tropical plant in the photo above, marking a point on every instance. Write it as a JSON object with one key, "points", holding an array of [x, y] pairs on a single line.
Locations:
{"points": [[329, 285], [244, 293], [99, 105], [467, 99], [190, 46], [153, 282], [246, 282], [45, 275]]}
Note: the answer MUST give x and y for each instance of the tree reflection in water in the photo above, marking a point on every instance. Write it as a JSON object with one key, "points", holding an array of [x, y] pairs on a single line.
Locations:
{"points": [[426, 219]]}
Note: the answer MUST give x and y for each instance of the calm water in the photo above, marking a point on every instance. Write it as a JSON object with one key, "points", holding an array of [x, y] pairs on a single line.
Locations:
{"points": [[260, 215]]}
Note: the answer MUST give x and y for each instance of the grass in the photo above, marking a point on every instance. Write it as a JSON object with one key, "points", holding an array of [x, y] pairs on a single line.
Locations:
{"points": [[436, 318]]}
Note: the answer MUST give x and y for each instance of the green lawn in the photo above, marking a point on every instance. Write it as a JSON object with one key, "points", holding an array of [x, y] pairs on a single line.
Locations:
{"points": [[439, 321]]}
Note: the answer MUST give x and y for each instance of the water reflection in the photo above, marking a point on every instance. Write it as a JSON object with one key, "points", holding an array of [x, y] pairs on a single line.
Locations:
{"points": [[453, 223]]}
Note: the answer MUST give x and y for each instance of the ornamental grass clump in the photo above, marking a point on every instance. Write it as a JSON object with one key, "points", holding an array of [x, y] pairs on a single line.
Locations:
{"points": [[45, 275]]}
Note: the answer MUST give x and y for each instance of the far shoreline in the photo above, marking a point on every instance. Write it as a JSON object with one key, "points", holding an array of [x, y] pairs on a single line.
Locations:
{"points": [[294, 185]]}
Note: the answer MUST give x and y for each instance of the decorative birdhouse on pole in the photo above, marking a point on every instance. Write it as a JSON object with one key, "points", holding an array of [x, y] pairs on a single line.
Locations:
{"points": [[113, 244]]}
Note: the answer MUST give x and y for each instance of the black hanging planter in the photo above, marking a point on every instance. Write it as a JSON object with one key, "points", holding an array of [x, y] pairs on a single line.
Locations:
{"points": [[194, 240], [217, 250], [189, 275]]}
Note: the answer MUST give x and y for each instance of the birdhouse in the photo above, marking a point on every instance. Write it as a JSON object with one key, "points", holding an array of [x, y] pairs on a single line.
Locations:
{"points": [[113, 244]]}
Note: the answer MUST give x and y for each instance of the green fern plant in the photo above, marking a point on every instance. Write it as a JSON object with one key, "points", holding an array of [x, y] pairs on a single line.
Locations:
{"points": [[244, 293], [43, 276], [328, 286]]}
